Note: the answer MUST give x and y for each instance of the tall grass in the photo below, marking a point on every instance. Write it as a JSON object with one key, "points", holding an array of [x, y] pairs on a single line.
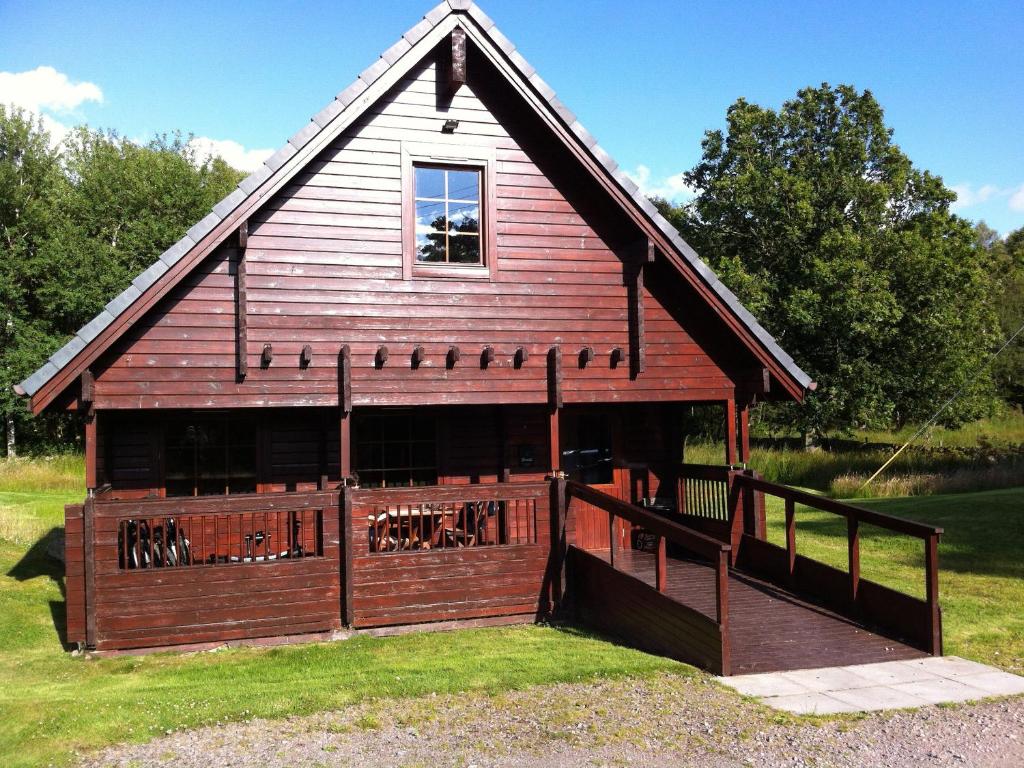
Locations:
{"points": [[46, 474]]}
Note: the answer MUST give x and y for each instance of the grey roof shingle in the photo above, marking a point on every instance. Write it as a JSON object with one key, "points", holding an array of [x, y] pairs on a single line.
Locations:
{"points": [[326, 116]]}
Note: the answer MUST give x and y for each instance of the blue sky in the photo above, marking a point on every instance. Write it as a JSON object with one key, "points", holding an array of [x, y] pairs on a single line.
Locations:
{"points": [[647, 78]]}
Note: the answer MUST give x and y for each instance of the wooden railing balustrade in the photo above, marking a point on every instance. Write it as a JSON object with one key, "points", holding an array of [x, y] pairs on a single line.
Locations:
{"points": [[879, 600], [448, 517], [702, 490], [664, 529]]}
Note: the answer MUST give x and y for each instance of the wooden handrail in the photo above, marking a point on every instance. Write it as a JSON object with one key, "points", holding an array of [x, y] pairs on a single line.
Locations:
{"points": [[861, 515], [705, 546]]}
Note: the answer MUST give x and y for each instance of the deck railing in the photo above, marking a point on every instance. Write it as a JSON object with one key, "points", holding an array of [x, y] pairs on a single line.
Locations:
{"points": [[702, 490], [866, 597], [448, 517], [664, 530]]}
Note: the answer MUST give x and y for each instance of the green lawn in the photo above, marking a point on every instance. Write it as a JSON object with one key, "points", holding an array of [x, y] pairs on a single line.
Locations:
{"points": [[981, 563]]}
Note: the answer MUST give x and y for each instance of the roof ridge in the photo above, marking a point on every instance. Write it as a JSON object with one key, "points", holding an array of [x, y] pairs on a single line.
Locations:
{"points": [[326, 116]]}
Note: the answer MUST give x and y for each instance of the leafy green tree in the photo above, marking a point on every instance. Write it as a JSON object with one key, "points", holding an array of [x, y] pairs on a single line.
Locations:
{"points": [[79, 225], [848, 254], [31, 180], [1007, 269]]}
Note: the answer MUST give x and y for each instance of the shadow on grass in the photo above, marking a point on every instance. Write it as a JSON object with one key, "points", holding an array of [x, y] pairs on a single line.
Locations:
{"points": [[38, 562]]}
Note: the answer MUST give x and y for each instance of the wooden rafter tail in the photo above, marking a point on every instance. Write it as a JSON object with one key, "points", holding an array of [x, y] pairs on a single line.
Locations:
{"points": [[306, 356], [487, 356], [454, 355]]}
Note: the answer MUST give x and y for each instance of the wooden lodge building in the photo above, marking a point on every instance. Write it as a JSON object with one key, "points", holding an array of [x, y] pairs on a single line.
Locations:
{"points": [[426, 366]]}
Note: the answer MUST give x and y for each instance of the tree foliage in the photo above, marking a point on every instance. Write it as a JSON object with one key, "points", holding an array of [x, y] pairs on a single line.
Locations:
{"points": [[1007, 268], [78, 223], [848, 254]]}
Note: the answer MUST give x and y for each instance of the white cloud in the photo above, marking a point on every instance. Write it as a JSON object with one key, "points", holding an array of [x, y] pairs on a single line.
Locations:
{"points": [[233, 153], [673, 188], [967, 195], [44, 91], [1017, 199]]}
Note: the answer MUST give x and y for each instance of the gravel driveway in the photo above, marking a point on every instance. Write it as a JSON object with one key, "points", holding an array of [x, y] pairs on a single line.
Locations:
{"points": [[663, 720]]}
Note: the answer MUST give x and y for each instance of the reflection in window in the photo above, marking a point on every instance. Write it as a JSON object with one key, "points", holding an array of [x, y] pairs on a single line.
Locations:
{"points": [[447, 215], [396, 448], [209, 455]]}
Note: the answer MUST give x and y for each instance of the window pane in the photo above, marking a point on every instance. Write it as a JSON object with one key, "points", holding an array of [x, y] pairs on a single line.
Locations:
{"points": [[430, 182], [430, 227], [464, 217], [464, 185], [464, 249]]}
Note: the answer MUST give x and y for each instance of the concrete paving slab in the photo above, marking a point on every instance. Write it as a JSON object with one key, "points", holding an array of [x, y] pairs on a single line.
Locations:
{"points": [[765, 684], [878, 697], [942, 690], [891, 672], [810, 704], [884, 685], [827, 679], [995, 683]]}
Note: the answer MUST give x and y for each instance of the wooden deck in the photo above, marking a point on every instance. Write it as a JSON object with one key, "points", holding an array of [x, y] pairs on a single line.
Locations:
{"points": [[770, 629]]}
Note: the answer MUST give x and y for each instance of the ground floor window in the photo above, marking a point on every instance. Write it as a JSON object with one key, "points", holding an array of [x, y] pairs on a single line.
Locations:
{"points": [[210, 454], [587, 457], [395, 448]]}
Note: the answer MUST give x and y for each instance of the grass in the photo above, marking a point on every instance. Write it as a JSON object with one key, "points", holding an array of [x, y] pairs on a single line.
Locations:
{"points": [[981, 583]]}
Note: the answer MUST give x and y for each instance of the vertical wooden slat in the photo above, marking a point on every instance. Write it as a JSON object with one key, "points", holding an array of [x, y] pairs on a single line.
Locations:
{"points": [[853, 550], [791, 536], [90, 450], [931, 566]]}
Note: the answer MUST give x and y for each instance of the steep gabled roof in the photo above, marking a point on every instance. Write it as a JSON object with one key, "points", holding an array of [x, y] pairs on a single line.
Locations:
{"points": [[69, 361]]}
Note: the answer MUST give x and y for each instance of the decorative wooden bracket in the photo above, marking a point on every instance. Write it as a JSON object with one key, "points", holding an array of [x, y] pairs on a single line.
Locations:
{"points": [[634, 277], [418, 356], [586, 356], [88, 382], [241, 302], [266, 356], [487, 356], [456, 65], [522, 355], [381, 357], [617, 356], [305, 357], [454, 355]]}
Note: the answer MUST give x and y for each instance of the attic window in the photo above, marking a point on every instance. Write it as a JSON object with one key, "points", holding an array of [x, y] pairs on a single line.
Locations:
{"points": [[448, 215]]}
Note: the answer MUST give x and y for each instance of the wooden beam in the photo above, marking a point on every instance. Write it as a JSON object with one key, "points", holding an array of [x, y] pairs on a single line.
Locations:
{"points": [[347, 554], [88, 390], [241, 303], [456, 69], [345, 379], [90, 451]]}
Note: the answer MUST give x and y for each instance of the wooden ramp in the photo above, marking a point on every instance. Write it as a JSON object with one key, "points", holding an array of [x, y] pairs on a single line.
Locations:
{"points": [[769, 628]]}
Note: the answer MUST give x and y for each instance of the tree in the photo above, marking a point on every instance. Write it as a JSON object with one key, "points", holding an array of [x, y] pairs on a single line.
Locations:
{"points": [[80, 224], [30, 181], [848, 254], [1007, 270]]}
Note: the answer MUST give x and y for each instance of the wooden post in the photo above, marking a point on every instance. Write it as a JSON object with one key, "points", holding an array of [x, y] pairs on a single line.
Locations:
{"points": [[89, 536], [241, 303], [730, 431], [86, 397], [345, 411], [347, 544], [661, 568], [559, 540], [554, 407], [791, 536], [722, 589], [611, 539], [853, 548], [745, 433], [931, 566]]}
